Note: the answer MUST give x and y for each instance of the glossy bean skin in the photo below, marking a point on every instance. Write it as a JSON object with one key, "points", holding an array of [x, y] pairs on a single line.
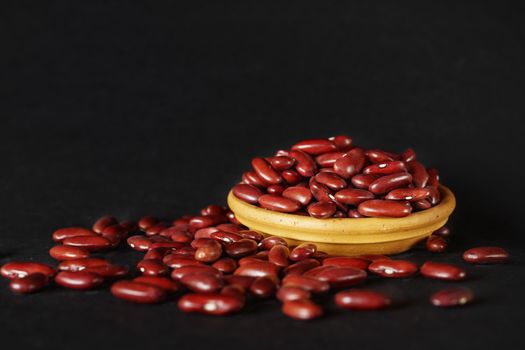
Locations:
{"points": [[300, 267], [291, 177], [319, 191], [198, 222], [167, 284], [268, 242], [81, 264], [263, 287], [289, 293], [110, 271], [241, 248], [138, 292], [180, 272], [80, 280], [29, 284], [281, 163], [442, 271], [225, 265], [209, 252], [387, 183], [350, 164], [331, 180], [147, 221], [210, 304], [353, 196], [254, 235], [139, 243], [337, 276], [342, 142], [354, 213], [321, 210], [247, 193], [486, 255], [408, 155], [91, 243], [251, 178], [443, 232], [265, 171], [419, 173], [258, 269], [303, 251], [202, 282], [385, 168], [64, 252], [393, 268], [433, 177], [436, 244], [68, 232], [384, 208], [315, 146], [21, 269], [104, 222], [278, 255], [225, 237], [451, 297], [408, 194], [301, 195], [152, 267], [275, 189], [278, 203], [302, 309], [345, 261], [243, 282], [363, 181], [305, 165], [310, 284], [361, 300], [328, 159], [175, 261], [422, 204], [377, 156]]}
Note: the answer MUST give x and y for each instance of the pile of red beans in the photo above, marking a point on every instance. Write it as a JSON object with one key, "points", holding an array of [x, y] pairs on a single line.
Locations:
{"points": [[331, 177], [214, 266]]}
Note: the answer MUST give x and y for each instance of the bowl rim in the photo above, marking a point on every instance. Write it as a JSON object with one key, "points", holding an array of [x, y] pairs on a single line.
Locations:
{"points": [[337, 227]]}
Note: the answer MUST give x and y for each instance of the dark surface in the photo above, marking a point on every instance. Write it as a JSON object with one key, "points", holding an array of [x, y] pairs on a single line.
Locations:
{"points": [[158, 108]]}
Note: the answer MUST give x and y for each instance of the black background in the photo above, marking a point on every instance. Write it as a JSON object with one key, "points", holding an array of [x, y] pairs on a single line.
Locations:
{"points": [[157, 108]]}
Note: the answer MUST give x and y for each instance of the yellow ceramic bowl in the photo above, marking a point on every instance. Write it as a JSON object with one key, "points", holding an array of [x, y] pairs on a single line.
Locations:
{"points": [[347, 236]]}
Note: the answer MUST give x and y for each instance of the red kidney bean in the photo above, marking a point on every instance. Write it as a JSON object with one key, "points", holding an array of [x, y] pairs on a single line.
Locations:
{"points": [[205, 232], [129, 226], [345, 261], [291, 177], [364, 181], [275, 189], [234, 291], [103, 222], [269, 242], [337, 276], [419, 173], [433, 178], [174, 261], [331, 180], [110, 271], [393, 268], [248, 260], [138, 292], [328, 159], [342, 142], [256, 236], [241, 248], [258, 269], [68, 232], [442, 271], [21, 269], [251, 178], [265, 171], [339, 214], [212, 210], [139, 243], [209, 252], [225, 265], [408, 194], [298, 194], [435, 196], [202, 282], [486, 255], [198, 222], [281, 163], [319, 191], [186, 251], [408, 155], [303, 251], [307, 283], [29, 284], [147, 222], [305, 165], [81, 280], [387, 183], [289, 293], [322, 210], [225, 237], [377, 156], [180, 272], [300, 267], [178, 236], [315, 146], [114, 234], [385, 168], [210, 304], [278, 203], [263, 287], [151, 267], [64, 252], [201, 242], [156, 229], [352, 196], [233, 228], [422, 204], [436, 244], [384, 208], [302, 309], [354, 213], [167, 284], [81, 264], [157, 253], [243, 282], [452, 297], [91, 243], [361, 300], [350, 164], [278, 255]]}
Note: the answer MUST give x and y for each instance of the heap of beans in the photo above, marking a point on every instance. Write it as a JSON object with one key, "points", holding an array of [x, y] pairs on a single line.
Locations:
{"points": [[213, 265], [333, 178]]}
